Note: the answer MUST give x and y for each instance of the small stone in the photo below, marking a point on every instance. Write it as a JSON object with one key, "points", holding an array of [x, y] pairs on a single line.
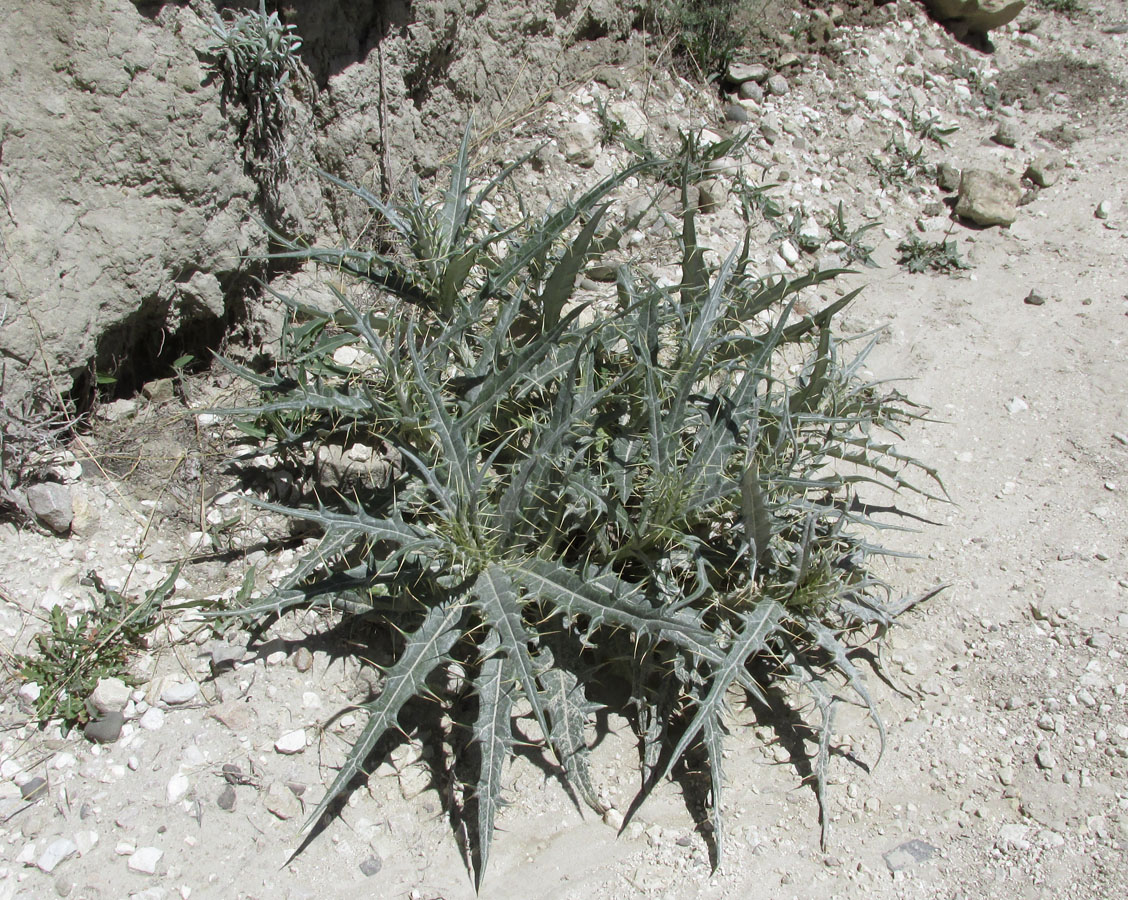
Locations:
{"points": [[778, 85], [413, 781], [180, 692], [235, 716], [118, 410], [734, 112], [750, 90], [371, 866], [1045, 169], [145, 859], [110, 695], [33, 788], [291, 742], [988, 198], [105, 730], [160, 390], [907, 854], [177, 787], [789, 253], [613, 818], [739, 73], [281, 801], [1016, 405], [303, 659], [1034, 299], [51, 503], [226, 798], [1012, 836], [225, 656], [1006, 134], [152, 720], [29, 692], [580, 143], [810, 235], [58, 850], [948, 177], [1006, 775], [1045, 759], [1102, 212]]}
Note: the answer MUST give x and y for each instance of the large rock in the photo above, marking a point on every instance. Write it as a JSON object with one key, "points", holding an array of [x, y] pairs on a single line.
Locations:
{"points": [[125, 203], [126, 216], [51, 503], [979, 16], [988, 198]]}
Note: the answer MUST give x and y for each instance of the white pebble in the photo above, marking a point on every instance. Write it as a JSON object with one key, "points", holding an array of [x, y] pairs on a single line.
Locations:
{"points": [[177, 787], [180, 692], [145, 860], [58, 850], [291, 742]]}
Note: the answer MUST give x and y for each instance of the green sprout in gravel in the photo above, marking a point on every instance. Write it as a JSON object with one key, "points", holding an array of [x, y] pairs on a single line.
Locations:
{"points": [[852, 249], [918, 255], [931, 128], [649, 504], [78, 650], [899, 166]]}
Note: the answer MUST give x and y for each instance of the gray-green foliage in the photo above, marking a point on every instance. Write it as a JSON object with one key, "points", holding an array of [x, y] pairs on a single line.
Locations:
{"points": [[257, 56], [900, 166], [930, 128], [919, 255], [643, 495]]}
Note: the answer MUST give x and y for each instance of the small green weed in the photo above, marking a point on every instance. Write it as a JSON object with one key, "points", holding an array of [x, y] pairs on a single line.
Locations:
{"points": [[707, 33], [756, 202], [918, 255], [611, 127], [929, 129], [853, 250], [75, 652], [900, 166]]}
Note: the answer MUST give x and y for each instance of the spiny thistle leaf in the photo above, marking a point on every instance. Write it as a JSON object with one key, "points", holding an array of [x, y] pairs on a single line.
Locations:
{"points": [[569, 712], [493, 732], [496, 597], [759, 626], [424, 649]]}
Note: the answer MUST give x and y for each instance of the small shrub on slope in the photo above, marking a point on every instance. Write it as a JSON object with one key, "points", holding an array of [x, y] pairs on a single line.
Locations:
{"points": [[645, 497]]}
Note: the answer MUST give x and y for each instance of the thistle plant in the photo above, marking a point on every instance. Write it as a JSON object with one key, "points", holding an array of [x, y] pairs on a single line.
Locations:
{"points": [[640, 495]]}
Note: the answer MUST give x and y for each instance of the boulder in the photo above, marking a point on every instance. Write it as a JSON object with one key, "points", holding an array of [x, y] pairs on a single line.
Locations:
{"points": [[978, 16], [126, 201], [988, 198]]}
